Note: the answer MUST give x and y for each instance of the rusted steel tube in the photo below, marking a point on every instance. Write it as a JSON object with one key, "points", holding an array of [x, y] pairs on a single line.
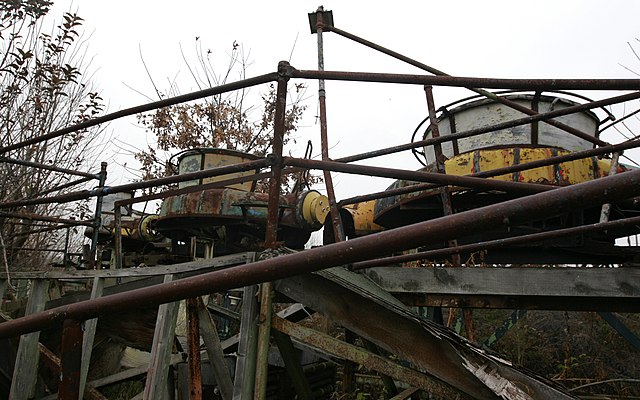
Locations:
{"points": [[48, 167], [420, 176], [491, 128], [271, 234], [475, 87], [46, 218], [336, 219], [193, 344], [466, 82], [129, 187], [501, 171], [509, 213], [97, 217], [245, 83], [191, 189], [71, 357], [64, 186], [494, 244]]}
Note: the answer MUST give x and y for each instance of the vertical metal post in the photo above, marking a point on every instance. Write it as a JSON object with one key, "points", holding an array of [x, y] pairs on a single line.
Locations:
{"points": [[66, 249], [70, 360], [193, 344], [336, 219], [606, 208], [271, 235], [117, 251], [98, 217]]}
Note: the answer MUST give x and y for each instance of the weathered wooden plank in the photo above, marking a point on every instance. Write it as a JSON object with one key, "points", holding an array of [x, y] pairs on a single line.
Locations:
{"points": [[159, 270], [4, 283], [246, 362], [89, 334], [556, 281], [157, 375], [292, 364], [214, 351], [405, 394], [431, 347], [338, 348], [25, 372]]}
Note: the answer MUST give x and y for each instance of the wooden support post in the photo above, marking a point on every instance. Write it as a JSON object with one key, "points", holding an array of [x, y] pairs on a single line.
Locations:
{"points": [[388, 381], [348, 367], [214, 351], [70, 360], [292, 364], [264, 334], [246, 363], [405, 394], [25, 371], [4, 283], [89, 334], [157, 375]]}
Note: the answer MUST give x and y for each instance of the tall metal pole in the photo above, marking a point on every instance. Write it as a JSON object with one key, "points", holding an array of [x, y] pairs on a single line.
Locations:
{"points": [[336, 220], [271, 235], [98, 217]]}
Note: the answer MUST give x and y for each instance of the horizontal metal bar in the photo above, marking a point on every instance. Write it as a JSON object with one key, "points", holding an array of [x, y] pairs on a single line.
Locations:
{"points": [[498, 243], [147, 107], [46, 218], [192, 189], [101, 191], [486, 129], [506, 214], [501, 171], [48, 167], [455, 81], [420, 176]]}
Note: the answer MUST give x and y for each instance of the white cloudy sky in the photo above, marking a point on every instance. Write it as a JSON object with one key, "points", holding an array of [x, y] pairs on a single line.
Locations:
{"points": [[504, 39]]}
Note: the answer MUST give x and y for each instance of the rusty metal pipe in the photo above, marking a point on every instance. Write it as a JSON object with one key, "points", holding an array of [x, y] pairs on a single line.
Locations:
{"points": [[474, 87], [192, 189], [497, 243], [466, 82], [420, 176], [491, 128], [129, 187], [271, 234], [70, 360], [336, 218], [245, 83], [48, 167], [46, 218], [509, 213], [64, 186], [501, 171]]}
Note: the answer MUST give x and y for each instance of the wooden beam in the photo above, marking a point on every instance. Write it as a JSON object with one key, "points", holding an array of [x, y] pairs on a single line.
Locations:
{"points": [[558, 288], [621, 283], [356, 303], [159, 270], [214, 351], [346, 351], [156, 385], [292, 364], [25, 372], [89, 334], [243, 386]]}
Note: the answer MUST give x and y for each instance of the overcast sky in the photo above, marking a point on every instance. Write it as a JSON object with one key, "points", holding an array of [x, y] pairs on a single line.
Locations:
{"points": [[502, 39]]}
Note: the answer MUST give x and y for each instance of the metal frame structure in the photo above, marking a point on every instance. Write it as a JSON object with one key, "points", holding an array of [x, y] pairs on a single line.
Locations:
{"points": [[464, 369]]}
